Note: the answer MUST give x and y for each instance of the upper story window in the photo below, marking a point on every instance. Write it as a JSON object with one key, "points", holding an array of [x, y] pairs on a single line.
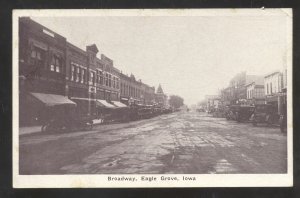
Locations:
{"points": [[106, 79], [92, 77], [37, 56], [77, 74], [72, 72], [109, 80], [114, 82], [117, 84], [56, 64], [82, 76], [101, 77]]}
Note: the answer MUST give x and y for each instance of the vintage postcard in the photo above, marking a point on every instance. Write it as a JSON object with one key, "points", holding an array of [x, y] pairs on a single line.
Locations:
{"points": [[152, 98]]}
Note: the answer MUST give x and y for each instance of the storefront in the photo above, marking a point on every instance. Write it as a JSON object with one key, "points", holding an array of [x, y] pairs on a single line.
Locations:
{"points": [[36, 108]]}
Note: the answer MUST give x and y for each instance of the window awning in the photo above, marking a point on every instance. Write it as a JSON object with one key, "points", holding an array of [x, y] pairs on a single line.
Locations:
{"points": [[103, 103], [52, 99], [85, 99], [119, 104]]}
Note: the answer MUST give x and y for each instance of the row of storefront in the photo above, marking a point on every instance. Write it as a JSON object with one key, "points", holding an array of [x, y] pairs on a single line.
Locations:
{"points": [[51, 68], [254, 90]]}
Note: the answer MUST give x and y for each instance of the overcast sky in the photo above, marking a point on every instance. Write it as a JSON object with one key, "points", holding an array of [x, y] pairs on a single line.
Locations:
{"points": [[191, 56]]}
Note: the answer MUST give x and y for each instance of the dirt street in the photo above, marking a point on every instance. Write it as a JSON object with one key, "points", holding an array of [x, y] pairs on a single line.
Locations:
{"points": [[181, 142]]}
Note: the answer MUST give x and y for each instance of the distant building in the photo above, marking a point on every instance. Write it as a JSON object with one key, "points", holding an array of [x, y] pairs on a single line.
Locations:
{"points": [[255, 93], [131, 90], [237, 89], [160, 97], [148, 94], [273, 83], [273, 89], [212, 101]]}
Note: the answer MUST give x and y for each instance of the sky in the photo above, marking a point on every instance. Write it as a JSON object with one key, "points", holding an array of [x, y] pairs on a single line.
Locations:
{"points": [[190, 56]]}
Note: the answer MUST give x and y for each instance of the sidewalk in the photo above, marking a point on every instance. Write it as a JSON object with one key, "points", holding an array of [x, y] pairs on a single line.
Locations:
{"points": [[29, 130], [37, 129]]}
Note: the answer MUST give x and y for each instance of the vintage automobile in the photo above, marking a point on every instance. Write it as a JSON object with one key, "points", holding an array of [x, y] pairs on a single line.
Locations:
{"points": [[265, 113], [230, 112], [67, 121], [240, 113], [244, 112], [200, 110], [145, 112]]}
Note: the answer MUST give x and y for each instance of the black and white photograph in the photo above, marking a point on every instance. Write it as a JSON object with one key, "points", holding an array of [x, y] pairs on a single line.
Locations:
{"points": [[152, 98]]}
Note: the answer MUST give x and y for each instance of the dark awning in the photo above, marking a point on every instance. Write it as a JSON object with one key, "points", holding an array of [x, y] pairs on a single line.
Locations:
{"points": [[52, 99]]}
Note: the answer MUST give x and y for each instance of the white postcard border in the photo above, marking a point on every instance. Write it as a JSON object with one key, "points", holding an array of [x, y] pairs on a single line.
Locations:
{"points": [[202, 180]]}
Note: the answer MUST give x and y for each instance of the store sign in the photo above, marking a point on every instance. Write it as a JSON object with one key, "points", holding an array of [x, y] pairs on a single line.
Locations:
{"points": [[48, 33], [92, 89]]}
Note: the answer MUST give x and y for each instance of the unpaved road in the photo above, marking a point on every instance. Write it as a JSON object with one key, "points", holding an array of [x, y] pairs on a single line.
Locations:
{"points": [[181, 142]]}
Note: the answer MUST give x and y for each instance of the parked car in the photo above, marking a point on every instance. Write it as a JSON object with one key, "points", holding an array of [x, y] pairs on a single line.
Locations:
{"points": [[265, 113], [200, 110], [240, 113], [244, 113]]}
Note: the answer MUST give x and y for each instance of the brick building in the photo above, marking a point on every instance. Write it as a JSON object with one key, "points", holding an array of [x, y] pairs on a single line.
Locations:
{"points": [[148, 94], [50, 68], [42, 70], [131, 89]]}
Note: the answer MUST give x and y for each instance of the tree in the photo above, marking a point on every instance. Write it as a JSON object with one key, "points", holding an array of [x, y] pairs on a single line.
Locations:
{"points": [[175, 101]]}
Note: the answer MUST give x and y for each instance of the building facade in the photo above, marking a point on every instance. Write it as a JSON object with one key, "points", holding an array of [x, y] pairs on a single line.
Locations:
{"points": [[212, 102], [48, 64], [160, 97], [148, 94], [255, 93], [42, 55], [131, 90], [42, 71], [236, 92], [76, 72], [273, 83], [273, 90]]}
